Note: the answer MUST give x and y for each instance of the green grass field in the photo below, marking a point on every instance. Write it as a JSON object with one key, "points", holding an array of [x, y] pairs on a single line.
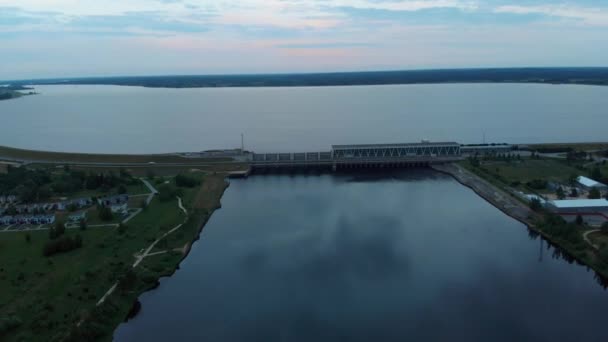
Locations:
{"points": [[50, 295], [529, 169], [588, 146]]}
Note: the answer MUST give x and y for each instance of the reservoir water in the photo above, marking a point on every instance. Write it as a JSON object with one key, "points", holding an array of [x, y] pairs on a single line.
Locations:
{"points": [[116, 119], [409, 256]]}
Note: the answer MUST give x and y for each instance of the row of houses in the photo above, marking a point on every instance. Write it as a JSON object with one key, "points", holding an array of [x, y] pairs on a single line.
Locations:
{"points": [[8, 199], [109, 201], [78, 203], [35, 208], [27, 219]]}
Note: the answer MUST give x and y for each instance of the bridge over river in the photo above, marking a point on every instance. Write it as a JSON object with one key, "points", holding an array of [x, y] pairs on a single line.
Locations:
{"points": [[363, 156]]}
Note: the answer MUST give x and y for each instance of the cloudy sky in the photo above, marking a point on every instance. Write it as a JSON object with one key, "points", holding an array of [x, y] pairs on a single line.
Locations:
{"points": [[67, 38]]}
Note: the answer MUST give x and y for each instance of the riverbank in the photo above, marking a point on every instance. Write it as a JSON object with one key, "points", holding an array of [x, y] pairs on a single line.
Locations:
{"points": [[59, 298], [124, 306], [514, 207]]}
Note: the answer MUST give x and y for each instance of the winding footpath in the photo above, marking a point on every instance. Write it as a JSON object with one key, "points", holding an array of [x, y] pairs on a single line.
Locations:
{"points": [[147, 252], [587, 240]]}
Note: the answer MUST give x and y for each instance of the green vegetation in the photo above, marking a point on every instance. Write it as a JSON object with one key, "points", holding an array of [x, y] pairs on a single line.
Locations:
{"points": [[182, 180], [36, 185], [105, 214], [63, 157], [594, 194], [53, 297], [533, 175], [61, 245]]}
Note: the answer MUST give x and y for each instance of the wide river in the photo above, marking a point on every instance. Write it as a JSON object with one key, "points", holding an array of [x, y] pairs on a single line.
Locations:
{"points": [[134, 119], [411, 256]]}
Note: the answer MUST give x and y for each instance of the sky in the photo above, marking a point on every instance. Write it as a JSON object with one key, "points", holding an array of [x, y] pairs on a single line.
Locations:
{"points": [[74, 38]]}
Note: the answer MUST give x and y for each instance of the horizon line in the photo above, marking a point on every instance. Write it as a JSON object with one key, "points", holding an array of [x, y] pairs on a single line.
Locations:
{"points": [[298, 73]]}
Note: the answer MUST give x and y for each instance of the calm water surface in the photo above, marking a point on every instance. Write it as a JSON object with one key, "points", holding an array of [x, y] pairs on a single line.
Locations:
{"points": [[133, 119], [406, 256]]}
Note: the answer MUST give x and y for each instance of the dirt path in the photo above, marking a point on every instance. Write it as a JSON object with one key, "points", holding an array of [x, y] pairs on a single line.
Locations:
{"points": [[586, 238], [147, 252]]}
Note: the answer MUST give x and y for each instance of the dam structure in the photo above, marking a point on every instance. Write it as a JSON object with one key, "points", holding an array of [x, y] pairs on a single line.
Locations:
{"points": [[339, 157]]}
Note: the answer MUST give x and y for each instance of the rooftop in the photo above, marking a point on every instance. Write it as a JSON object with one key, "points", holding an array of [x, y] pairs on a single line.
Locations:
{"points": [[396, 145], [588, 182], [581, 203]]}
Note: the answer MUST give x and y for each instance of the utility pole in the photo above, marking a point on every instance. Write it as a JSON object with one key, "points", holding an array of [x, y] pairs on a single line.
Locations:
{"points": [[242, 143]]}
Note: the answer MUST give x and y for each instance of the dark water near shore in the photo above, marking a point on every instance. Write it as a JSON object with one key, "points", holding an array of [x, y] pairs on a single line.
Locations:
{"points": [[404, 256], [112, 119]]}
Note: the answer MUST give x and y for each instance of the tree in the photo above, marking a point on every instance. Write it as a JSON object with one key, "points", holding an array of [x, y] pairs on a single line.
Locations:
{"points": [[83, 224], [122, 189], [560, 193], [605, 228], [535, 204], [596, 173], [167, 192], [574, 193], [579, 220], [28, 237], [127, 281], [57, 230], [594, 193], [105, 214], [188, 182], [121, 228]]}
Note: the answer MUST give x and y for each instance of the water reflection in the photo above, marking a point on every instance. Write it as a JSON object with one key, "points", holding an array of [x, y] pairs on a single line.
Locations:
{"points": [[405, 256]]}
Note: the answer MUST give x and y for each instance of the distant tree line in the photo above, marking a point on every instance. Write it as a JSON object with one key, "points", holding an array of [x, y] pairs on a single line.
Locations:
{"points": [[35, 185]]}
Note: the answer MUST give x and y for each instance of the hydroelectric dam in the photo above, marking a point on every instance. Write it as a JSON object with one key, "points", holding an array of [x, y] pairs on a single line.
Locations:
{"points": [[339, 157]]}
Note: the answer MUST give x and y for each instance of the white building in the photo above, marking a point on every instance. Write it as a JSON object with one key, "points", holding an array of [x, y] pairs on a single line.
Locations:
{"points": [[120, 209], [593, 211], [589, 183]]}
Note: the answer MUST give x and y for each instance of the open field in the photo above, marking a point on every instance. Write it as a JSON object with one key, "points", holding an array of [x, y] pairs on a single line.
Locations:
{"points": [[50, 296], [588, 146], [526, 170], [9, 153]]}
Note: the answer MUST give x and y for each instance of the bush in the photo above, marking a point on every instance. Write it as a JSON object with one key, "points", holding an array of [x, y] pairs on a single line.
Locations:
{"points": [[121, 228], [594, 194], [8, 323], [82, 224], [62, 245], [127, 281], [537, 184], [105, 214], [122, 189], [604, 254], [167, 192], [535, 204], [186, 181], [57, 231]]}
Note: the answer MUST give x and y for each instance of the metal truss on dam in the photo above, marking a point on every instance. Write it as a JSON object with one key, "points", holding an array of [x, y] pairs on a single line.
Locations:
{"points": [[364, 156]]}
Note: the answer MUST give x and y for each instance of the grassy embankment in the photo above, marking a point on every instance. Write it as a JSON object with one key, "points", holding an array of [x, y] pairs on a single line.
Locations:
{"points": [[517, 174], [54, 298], [64, 157]]}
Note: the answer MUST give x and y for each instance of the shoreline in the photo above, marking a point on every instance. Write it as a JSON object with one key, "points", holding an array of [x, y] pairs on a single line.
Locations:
{"points": [[136, 306], [480, 187]]}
